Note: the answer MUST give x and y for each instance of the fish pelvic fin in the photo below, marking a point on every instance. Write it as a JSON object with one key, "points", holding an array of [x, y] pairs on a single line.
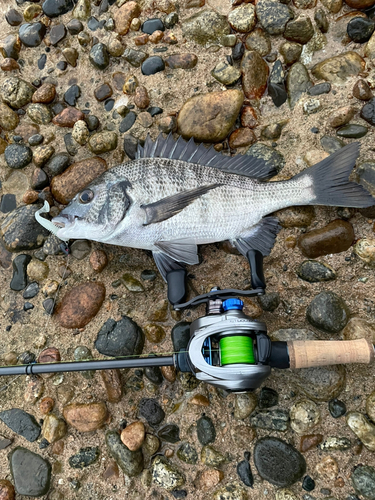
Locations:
{"points": [[328, 181], [260, 237]]}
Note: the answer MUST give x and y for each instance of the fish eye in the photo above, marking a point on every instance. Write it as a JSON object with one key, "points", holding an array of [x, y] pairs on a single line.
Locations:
{"points": [[86, 196]]}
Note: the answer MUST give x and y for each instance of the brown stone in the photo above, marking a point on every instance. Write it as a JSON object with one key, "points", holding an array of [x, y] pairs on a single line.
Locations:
{"points": [[141, 99], [141, 39], [46, 405], [336, 237], [68, 117], [112, 383], [296, 216], [112, 471], [169, 373], [333, 6], [86, 417], [7, 491], [210, 117], [66, 185], [360, 4], [339, 68], [9, 64], [124, 16], [154, 333], [80, 305], [49, 355], [242, 137], [327, 468], [342, 116], [71, 56], [34, 389], [199, 400], [362, 91], [54, 428], [208, 479], [42, 154], [252, 308], [98, 260], [254, 75], [184, 61], [358, 328], [170, 38], [8, 118], [45, 94], [156, 36], [249, 117], [310, 441], [103, 92], [167, 124], [133, 436], [3, 145], [58, 447]]}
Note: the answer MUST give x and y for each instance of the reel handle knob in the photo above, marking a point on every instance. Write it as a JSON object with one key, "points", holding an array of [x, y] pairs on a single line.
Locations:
{"points": [[255, 259], [309, 353]]}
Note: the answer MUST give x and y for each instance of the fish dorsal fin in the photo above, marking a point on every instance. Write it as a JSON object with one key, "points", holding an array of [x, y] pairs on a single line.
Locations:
{"points": [[171, 205], [180, 149]]}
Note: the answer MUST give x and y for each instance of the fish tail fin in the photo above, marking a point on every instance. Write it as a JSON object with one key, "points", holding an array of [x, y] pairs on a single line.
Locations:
{"points": [[329, 184]]}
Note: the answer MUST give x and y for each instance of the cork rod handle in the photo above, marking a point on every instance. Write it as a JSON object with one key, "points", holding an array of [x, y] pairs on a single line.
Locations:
{"points": [[309, 353]]}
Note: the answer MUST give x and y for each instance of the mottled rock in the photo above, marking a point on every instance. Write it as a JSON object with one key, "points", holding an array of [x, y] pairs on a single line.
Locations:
{"points": [[8, 118], [327, 469], [7, 491], [299, 30], [130, 462], [276, 419], [332, 443], [82, 11], [66, 185], [151, 411], [16, 92], [259, 41], [187, 453], [278, 462], [209, 117], [207, 479], [314, 272], [68, 117], [321, 383], [80, 132], [245, 404], [273, 16], [211, 457], [298, 82], [102, 142], [206, 27], [339, 68], [363, 480], [86, 417], [53, 428], [124, 16], [328, 312], [242, 18], [362, 428], [165, 474], [205, 430], [231, 491], [304, 415], [269, 155], [336, 237], [254, 75], [84, 458], [18, 155], [291, 52]]}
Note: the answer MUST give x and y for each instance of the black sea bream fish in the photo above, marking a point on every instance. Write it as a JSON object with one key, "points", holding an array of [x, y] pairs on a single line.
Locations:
{"points": [[177, 195]]}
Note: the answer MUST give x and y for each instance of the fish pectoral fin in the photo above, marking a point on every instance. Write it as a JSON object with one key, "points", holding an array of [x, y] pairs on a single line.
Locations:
{"points": [[183, 250], [165, 264], [260, 237], [172, 205]]}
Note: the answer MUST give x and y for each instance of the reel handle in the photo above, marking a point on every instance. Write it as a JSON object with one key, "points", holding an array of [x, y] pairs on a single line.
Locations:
{"points": [[310, 353]]}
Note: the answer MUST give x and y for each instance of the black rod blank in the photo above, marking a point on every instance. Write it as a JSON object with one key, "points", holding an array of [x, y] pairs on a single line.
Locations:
{"points": [[76, 366]]}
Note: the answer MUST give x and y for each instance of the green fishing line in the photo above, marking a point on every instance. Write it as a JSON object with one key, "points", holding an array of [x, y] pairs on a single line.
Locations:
{"points": [[236, 349]]}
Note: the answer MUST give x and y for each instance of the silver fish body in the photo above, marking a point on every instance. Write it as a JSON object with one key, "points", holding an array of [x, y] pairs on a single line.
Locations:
{"points": [[170, 205]]}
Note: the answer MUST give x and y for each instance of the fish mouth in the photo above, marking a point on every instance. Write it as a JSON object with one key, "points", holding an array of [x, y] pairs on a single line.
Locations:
{"points": [[65, 220]]}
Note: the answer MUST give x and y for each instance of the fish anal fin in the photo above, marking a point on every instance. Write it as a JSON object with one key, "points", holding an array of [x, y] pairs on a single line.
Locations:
{"points": [[171, 205], [260, 237], [165, 264], [184, 250]]}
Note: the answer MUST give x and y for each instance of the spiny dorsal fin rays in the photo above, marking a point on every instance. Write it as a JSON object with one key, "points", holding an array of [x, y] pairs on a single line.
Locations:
{"points": [[179, 149]]}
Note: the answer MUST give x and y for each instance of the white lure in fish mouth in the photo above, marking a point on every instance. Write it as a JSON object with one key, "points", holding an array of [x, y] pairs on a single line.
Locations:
{"points": [[55, 226]]}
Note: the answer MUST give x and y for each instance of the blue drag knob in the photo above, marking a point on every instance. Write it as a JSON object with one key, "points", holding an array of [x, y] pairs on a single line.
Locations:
{"points": [[232, 304]]}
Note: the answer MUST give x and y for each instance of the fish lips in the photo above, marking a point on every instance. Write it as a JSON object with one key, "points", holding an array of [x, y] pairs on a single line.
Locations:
{"points": [[65, 222]]}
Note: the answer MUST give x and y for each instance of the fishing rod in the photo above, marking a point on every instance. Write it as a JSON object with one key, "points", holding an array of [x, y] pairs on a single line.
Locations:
{"points": [[227, 348]]}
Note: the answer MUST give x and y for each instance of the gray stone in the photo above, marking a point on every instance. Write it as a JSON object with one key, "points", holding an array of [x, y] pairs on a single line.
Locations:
{"points": [[331, 144], [206, 430], [314, 272], [363, 480], [298, 82], [352, 131], [278, 462], [269, 302], [31, 473], [365, 175], [99, 56], [320, 383], [275, 420], [121, 338], [206, 27], [150, 410], [188, 454], [273, 16], [22, 423], [328, 312], [16, 92], [272, 157], [165, 474], [18, 155], [130, 462]]}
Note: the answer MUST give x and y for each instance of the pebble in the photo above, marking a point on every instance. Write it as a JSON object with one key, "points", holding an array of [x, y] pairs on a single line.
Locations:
{"points": [[98, 260], [132, 284], [71, 56], [35, 384], [273, 16], [46, 405], [336, 408], [254, 75], [21, 423], [269, 302], [244, 473], [327, 469], [231, 491], [276, 419], [209, 117], [328, 312], [278, 462], [165, 474], [133, 436], [18, 155], [207, 479], [152, 65], [154, 333], [285, 494], [272, 131], [68, 117], [298, 82], [205, 430], [267, 398], [363, 481], [339, 68], [103, 92], [127, 123], [13, 17], [308, 483], [54, 428], [31, 290], [151, 411], [211, 457], [169, 433], [342, 116], [84, 458], [362, 91], [86, 417], [183, 61], [82, 10], [39, 113], [331, 144], [19, 278], [20, 230], [362, 428], [124, 16], [9, 64], [130, 462], [32, 34], [73, 179], [368, 112], [103, 142], [80, 305], [242, 18], [57, 33], [113, 385], [80, 132], [121, 338], [352, 131], [7, 491], [72, 94], [319, 89], [205, 27], [74, 26], [315, 272], [187, 453], [130, 85], [16, 92], [299, 30], [335, 237], [310, 441], [55, 8], [321, 383], [335, 443], [360, 29], [259, 41], [136, 57], [150, 445], [152, 25], [8, 118], [37, 270], [241, 137], [31, 473], [99, 56], [245, 404]]}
